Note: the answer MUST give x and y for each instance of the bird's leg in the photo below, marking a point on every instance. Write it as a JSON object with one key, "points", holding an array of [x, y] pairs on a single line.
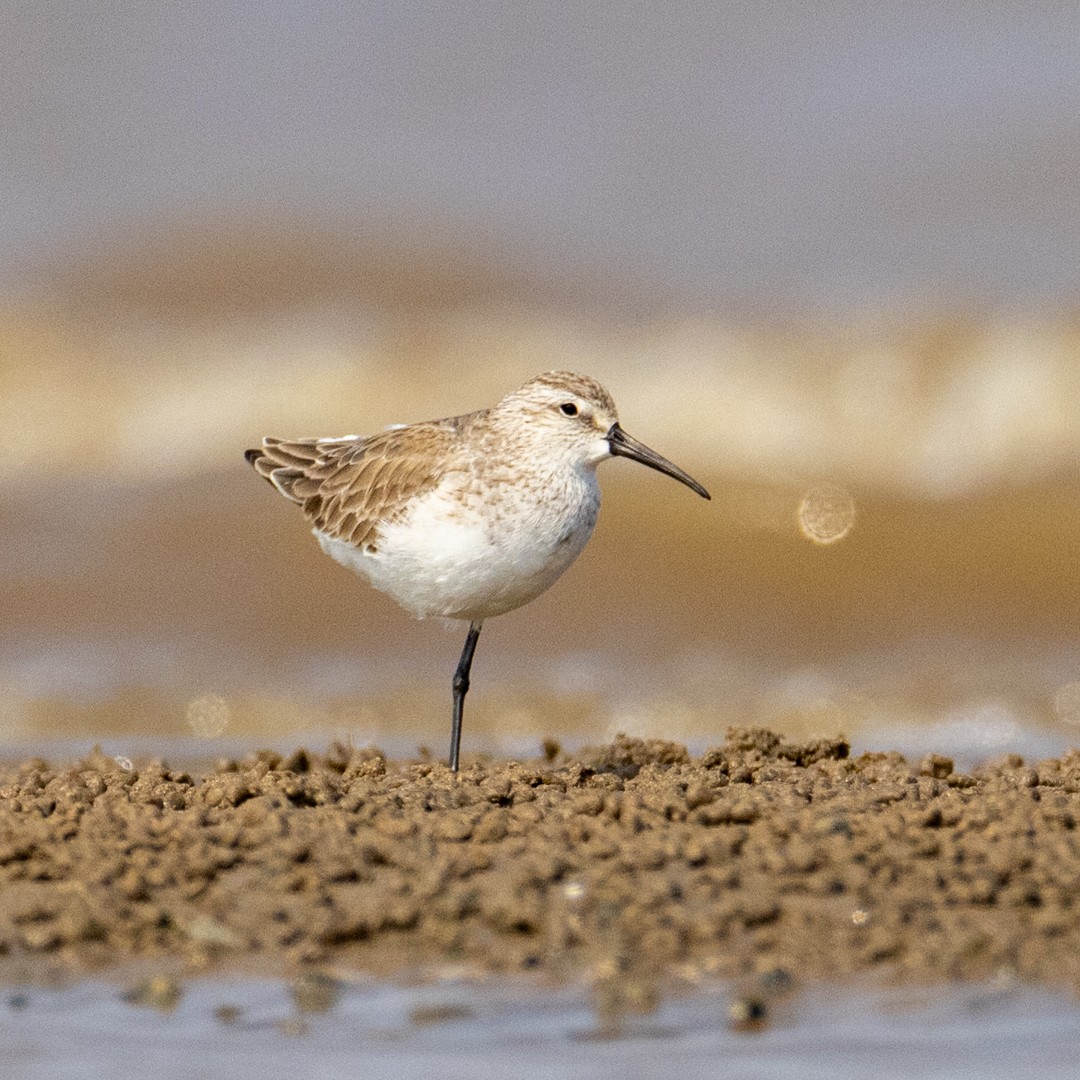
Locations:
{"points": [[461, 688]]}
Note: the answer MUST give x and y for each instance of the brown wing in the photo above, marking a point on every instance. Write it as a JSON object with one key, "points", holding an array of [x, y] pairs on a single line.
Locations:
{"points": [[347, 487]]}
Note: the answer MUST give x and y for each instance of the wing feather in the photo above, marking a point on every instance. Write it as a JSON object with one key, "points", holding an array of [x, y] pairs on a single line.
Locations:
{"points": [[348, 487]]}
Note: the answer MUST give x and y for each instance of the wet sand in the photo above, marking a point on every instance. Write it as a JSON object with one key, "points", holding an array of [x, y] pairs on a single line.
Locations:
{"points": [[627, 866]]}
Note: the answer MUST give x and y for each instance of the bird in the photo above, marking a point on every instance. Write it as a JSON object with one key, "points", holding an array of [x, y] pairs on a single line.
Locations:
{"points": [[467, 517]]}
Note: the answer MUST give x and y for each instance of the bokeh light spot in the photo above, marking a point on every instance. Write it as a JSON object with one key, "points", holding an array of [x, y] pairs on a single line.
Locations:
{"points": [[826, 514], [208, 716]]}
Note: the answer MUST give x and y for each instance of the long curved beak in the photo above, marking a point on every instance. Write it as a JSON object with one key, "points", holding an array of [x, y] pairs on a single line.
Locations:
{"points": [[623, 445]]}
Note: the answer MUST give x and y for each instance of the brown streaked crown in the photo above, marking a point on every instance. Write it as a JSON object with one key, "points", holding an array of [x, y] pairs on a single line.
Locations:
{"points": [[572, 383]]}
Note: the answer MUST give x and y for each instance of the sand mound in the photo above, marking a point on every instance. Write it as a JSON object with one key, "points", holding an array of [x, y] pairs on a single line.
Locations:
{"points": [[628, 858]]}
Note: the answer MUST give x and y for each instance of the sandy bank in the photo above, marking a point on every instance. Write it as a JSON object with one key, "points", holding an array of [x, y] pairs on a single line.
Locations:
{"points": [[622, 861]]}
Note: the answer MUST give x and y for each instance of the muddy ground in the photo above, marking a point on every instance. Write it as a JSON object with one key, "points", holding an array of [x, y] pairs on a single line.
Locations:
{"points": [[630, 862]]}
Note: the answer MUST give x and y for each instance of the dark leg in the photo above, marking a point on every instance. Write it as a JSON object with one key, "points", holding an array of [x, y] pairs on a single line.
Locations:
{"points": [[461, 688]]}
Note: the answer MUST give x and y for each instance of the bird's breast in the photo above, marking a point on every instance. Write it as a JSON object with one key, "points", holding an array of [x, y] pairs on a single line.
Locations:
{"points": [[469, 554]]}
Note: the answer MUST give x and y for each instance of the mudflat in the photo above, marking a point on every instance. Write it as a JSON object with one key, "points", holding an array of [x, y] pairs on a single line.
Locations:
{"points": [[629, 859]]}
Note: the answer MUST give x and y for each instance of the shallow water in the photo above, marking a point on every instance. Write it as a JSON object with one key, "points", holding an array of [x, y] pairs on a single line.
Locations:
{"points": [[469, 1029]]}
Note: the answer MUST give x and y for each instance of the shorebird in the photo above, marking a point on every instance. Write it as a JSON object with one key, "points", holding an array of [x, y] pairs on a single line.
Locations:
{"points": [[468, 517]]}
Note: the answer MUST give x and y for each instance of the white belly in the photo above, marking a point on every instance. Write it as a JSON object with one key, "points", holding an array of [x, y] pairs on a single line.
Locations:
{"points": [[446, 559]]}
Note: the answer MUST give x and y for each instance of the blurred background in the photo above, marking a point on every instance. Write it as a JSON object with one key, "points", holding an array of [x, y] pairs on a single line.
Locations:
{"points": [[822, 254]]}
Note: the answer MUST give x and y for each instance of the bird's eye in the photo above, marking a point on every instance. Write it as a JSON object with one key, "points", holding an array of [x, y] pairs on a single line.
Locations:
{"points": [[568, 409]]}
